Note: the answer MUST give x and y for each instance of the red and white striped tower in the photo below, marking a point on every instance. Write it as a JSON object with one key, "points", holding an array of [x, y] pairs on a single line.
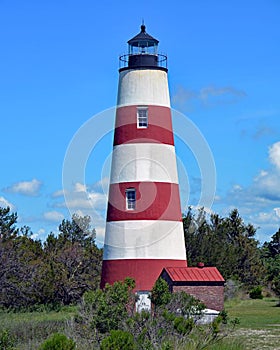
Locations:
{"points": [[144, 230]]}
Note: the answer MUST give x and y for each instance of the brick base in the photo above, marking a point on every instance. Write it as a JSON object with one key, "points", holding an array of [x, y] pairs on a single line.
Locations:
{"points": [[211, 296]]}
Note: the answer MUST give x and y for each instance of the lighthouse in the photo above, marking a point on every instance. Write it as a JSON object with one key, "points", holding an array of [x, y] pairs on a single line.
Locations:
{"points": [[144, 229]]}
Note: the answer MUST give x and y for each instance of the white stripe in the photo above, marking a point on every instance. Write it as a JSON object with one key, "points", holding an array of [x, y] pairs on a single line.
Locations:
{"points": [[143, 87], [144, 239], [144, 162]]}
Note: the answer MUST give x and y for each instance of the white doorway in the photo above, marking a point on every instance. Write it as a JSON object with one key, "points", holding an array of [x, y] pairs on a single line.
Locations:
{"points": [[143, 302]]}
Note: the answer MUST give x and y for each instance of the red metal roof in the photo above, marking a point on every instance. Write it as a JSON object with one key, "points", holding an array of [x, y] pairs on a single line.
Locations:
{"points": [[194, 274]]}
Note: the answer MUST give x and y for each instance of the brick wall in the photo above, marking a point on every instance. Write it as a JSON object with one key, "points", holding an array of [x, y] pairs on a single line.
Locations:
{"points": [[211, 296]]}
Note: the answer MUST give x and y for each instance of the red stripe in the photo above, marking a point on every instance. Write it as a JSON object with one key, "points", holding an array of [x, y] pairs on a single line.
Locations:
{"points": [[154, 201], [159, 128], [144, 271]]}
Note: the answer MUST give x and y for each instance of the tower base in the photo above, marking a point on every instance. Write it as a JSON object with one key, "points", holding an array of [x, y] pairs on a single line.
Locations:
{"points": [[145, 272]]}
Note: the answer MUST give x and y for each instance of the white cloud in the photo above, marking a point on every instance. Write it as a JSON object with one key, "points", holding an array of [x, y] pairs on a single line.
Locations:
{"points": [[227, 92], [265, 187], [183, 96], [78, 187], [5, 203], [75, 203], [217, 198], [81, 200], [262, 174], [237, 187], [59, 193], [39, 234], [264, 217], [97, 200], [268, 221], [209, 95], [259, 203], [274, 155], [84, 197], [98, 187], [103, 184], [27, 188], [266, 184], [54, 216]]}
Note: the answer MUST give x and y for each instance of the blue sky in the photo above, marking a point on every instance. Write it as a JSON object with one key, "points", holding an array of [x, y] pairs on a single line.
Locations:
{"points": [[59, 73]]}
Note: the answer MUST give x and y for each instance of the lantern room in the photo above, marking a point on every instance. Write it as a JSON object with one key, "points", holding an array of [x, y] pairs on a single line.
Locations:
{"points": [[143, 53], [143, 43]]}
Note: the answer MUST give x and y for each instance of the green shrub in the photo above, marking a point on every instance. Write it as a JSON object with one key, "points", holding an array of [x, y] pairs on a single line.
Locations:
{"points": [[182, 325], [58, 341], [160, 294], [7, 341], [167, 346], [118, 340], [256, 293]]}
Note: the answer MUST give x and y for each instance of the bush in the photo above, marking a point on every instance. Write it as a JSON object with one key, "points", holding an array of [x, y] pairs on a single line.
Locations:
{"points": [[118, 340], [107, 320], [256, 293], [160, 294], [7, 342], [58, 341]]}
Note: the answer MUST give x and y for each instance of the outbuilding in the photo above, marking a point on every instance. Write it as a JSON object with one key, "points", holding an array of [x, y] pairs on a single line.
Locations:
{"points": [[203, 283]]}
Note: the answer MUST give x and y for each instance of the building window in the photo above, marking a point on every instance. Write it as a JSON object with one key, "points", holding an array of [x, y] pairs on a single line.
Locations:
{"points": [[142, 117], [130, 195]]}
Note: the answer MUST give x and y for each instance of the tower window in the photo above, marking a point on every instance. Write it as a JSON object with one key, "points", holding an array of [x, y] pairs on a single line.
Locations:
{"points": [[130, 195], [142, 117]]}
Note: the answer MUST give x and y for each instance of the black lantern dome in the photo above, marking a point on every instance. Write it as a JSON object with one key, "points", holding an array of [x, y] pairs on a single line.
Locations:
{"points": [[143, 52], [143, 43]]}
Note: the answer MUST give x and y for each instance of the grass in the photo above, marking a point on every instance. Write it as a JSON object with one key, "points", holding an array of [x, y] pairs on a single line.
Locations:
{"points": [[228, 344], [259, 326], [31, 328]]}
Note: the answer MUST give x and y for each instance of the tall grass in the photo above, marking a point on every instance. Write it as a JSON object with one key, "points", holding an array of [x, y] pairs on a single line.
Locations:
{"points": [[31, 328], [228, 344], [259, 326]]}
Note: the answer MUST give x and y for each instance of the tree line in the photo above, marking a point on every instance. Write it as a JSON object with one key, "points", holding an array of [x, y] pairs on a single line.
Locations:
{"points": [[55, 272], [231, 245], [61, 269]]}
